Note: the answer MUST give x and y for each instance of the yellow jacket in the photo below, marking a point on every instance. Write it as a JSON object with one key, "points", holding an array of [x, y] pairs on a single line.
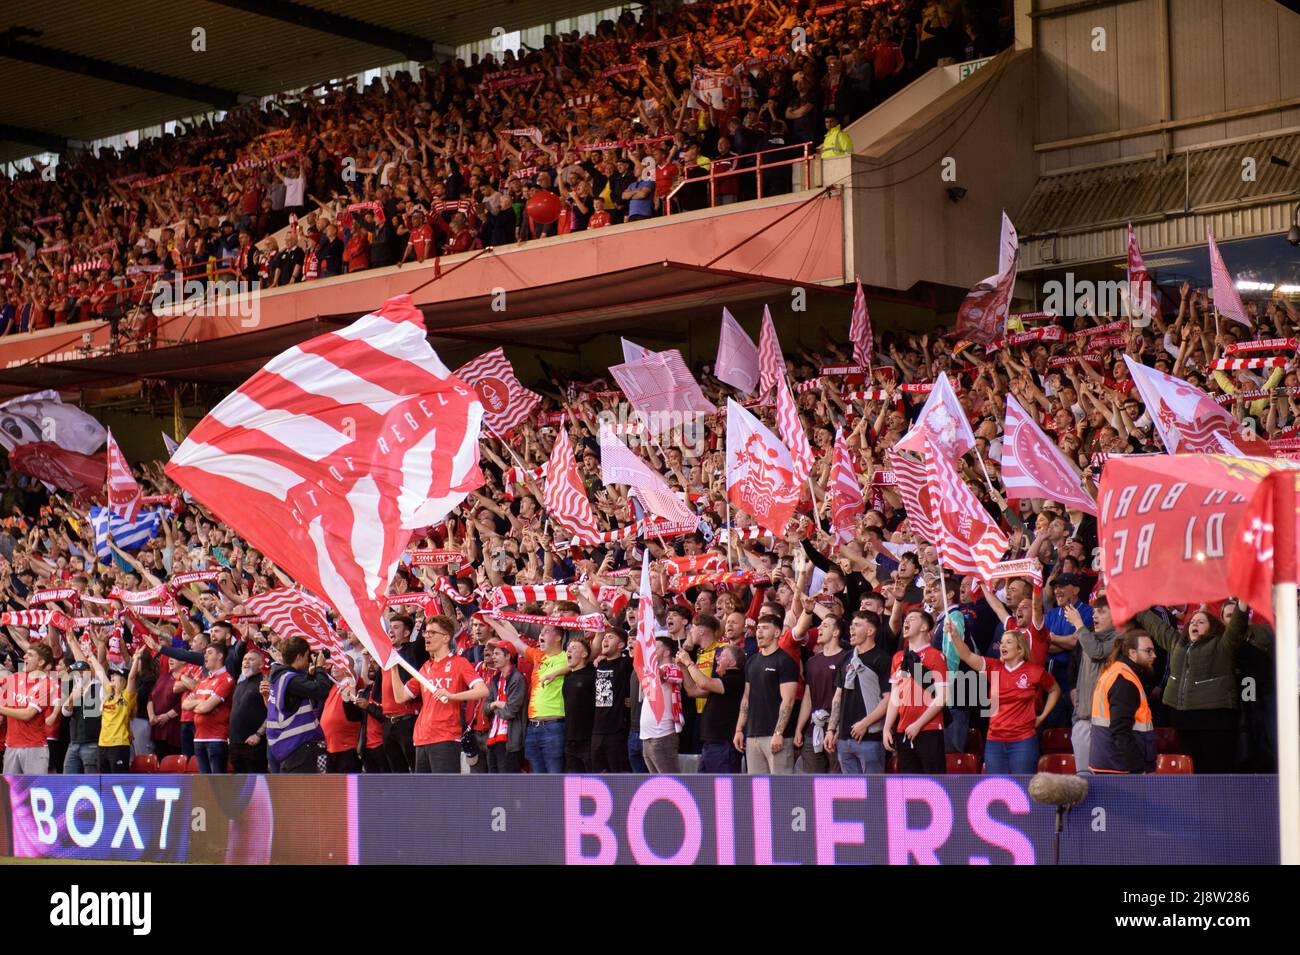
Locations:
{"points": [[836, 143]]}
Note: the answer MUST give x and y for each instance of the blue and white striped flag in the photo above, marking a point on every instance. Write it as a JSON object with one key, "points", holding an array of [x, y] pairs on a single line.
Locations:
{"points": [[128, 535]]}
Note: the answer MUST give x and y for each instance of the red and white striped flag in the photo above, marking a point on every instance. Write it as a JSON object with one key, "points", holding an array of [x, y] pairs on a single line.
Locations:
{"points": [[760, 472], [123, 492], [293, 613], [1141, 290], [1034, 466], [860, 329], [914, 488], [643, 652], [620, 465], [565, 497], [737, 361], [506, 403], [771, 365], [969, 541], [634, 352], [662, 390], [847, 504], [792, 433], [328, 458], [1226, 298]]}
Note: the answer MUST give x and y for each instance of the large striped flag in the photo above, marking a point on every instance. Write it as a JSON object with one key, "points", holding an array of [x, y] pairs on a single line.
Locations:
{"points": [[771, 364], [329, 457], [969, 541], [1226, 298], [643, 651], [792, 433], [662, 390], [620, 465], [294, 613], [124, 493], [737, 362], [847, 504], [1140, 290], [634, 352], [1032, 466], [506, 402], [860, 329], [565, 497], [128, 535], [914, 489]]}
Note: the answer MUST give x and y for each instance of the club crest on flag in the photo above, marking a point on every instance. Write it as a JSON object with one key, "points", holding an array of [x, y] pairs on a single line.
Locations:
{"points": [[765, 483]]}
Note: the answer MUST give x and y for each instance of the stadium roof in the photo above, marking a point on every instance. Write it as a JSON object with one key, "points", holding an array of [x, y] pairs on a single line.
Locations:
{"points": [[85, 69]]}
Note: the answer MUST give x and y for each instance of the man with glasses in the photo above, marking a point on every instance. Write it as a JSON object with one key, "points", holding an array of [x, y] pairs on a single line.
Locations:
{"points": [[438, 727]]}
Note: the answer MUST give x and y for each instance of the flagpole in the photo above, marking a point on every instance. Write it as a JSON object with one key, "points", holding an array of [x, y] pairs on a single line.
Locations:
{"points": [[730, 534], [1286, 659], [424, 681], [984, 467]]}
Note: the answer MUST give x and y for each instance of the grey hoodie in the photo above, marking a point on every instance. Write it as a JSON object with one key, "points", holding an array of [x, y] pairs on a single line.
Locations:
{"points": [[1093, 650]]}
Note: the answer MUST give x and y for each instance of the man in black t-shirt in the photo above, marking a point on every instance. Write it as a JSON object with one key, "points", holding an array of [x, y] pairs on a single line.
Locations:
{"points": [[579, 707], [722, 692], [861, 698], [765, 727], [821, 673], [610, 720]]}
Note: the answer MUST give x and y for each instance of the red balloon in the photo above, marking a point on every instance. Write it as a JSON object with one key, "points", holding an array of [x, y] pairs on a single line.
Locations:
{"points": [[543, 207]]}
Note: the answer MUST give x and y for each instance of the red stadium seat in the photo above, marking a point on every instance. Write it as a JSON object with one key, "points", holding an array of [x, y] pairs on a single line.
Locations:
{"points": [[963, 763], [193, 765], [1062, 763], [1055, 740], [145, 763], [1174, 764], [172, 764], [1167, 740]]}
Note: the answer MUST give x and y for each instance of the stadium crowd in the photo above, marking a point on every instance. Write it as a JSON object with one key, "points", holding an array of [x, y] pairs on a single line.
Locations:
{"points": [[776, 653], [340, 180]]}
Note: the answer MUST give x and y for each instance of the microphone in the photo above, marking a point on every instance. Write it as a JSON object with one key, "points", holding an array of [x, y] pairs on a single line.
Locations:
{"points": [[1059, 790]]}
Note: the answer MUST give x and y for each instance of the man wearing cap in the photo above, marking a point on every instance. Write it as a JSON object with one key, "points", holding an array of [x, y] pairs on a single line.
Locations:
{"points": [[81, 707], [504, 708], [1065, 593], [544, 744]]}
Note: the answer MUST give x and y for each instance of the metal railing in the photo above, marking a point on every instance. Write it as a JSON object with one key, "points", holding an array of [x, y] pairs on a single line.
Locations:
{"points": [[732, 166]]}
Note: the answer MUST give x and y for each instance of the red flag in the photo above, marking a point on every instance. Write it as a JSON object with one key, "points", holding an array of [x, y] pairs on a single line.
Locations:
{"points": [[506, 403], [845, 492], [1188, 528], [123, 492], [792, 433], [1031, 463], [1226, 298], [760, 472], [969, 540], [982, 315], [914, 489], [771, 365], [68, 470], [737, 362], [564, 496], [328, 458], [860, 329]]}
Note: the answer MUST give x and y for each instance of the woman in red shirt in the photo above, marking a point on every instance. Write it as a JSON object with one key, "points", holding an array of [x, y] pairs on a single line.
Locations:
{"points": [[1015, 685]]}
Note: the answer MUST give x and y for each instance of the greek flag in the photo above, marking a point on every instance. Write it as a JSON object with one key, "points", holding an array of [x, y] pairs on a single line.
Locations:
{"points": [[128, 535]]}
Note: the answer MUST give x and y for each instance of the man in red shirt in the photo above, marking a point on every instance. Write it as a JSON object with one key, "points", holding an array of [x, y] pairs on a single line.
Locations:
{"points": [[438, 727], [210, 702], [25, 702], [919, 676], [599, 217], [419, 246]]}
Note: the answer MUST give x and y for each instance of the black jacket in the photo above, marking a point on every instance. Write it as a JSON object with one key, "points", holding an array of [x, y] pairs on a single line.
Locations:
{"points": [[247, 709], [302, 687]]}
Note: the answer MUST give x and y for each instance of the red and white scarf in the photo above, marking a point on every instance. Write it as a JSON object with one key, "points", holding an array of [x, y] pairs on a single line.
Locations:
{"points": [[594, 622]]}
